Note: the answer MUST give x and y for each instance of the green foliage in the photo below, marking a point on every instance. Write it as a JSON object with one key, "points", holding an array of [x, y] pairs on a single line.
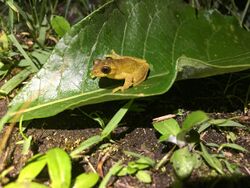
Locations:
{"points": [[183, 162], [219, 123], [211, 160], [86, 180], [31, 63], [24, 53], [112, 171], [232, 146], [232, 168], [35, 16], [193, 119], [30, 16], [60, 174], [26, 142], [14, 82], [138, 167], [143, 176], [59, 169], [171, 130], [167, 128], [4, 68], [226, 123], [171, 45], [59, 166], [142, 159], [113, 123], [91, 141], [34, 165], [185, 159], [60, 25], [4, 42], [25, 185]]}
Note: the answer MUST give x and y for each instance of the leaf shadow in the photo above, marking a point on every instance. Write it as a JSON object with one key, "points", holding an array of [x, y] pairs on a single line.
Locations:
{"points": [[109, 83]]}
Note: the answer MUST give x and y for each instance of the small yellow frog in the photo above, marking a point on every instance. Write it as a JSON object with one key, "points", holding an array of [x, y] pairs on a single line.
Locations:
{"points": [[132, 70]]}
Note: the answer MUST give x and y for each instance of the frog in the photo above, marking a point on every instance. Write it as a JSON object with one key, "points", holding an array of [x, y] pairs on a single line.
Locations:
{"points": [[131, 69]]}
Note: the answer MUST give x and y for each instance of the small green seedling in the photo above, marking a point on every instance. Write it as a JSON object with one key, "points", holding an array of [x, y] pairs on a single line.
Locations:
{"points": [[138, 167], [114, 170], [135, 168], [183, 160], [26, 142], [59, 170], [187, 138], [171, 131]]}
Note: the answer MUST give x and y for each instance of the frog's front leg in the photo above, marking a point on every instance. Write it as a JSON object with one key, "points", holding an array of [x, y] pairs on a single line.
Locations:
{"points": [[128, 82], [113, 55]]}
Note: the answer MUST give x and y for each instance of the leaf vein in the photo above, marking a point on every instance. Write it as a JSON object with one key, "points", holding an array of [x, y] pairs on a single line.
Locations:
{"points": [[124, 36], [146, 39]]}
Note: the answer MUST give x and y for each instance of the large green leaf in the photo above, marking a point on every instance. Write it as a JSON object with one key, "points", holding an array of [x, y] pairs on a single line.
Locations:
{"points": [[167, 33]]}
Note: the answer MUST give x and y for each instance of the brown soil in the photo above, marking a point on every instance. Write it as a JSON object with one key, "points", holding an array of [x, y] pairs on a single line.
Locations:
{"points": [[136, 133]]}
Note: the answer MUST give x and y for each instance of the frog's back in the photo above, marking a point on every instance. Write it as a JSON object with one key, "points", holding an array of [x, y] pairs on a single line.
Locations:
{"points": [[130, 65]]}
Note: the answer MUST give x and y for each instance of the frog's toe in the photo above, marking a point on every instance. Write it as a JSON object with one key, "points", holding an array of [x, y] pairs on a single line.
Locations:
{"points": [[117, 89]]}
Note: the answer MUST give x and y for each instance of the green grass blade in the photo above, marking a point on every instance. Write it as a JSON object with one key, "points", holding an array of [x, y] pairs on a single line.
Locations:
{"points": [[25, 55], [113, 123], [12, 8], [212, 161], [232, 146], [112, 171], [226, 123], [85, 145], [14, 82]]}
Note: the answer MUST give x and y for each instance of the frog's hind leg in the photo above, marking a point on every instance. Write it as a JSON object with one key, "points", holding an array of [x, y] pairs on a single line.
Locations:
{"points": [[139, 79], [137, 82]]}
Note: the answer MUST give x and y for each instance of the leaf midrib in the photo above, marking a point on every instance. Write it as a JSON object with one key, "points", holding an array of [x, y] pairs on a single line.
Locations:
{"points": [[93, 95]]}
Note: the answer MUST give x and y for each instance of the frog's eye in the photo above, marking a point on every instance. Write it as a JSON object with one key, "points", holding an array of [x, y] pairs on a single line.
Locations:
{"points": [[106, 69], [108, 58]]}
